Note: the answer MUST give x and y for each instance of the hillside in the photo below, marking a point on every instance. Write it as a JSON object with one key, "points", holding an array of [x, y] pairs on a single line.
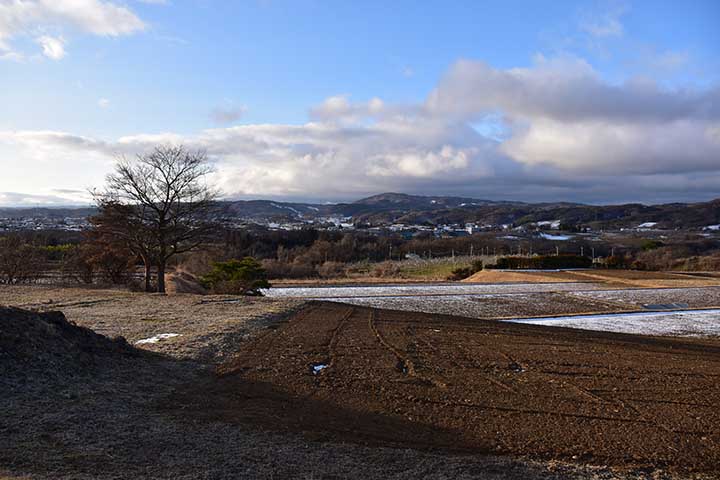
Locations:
{"points": [[390, 208]]}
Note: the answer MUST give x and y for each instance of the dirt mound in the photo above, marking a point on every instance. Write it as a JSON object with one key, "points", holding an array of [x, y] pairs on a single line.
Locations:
{"points": [[183, 282], [49, 343]]}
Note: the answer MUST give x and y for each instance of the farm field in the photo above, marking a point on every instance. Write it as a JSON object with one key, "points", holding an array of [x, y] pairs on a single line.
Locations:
{"points": [[238, 387], [389, 378], [393, 290], [605, 306]]}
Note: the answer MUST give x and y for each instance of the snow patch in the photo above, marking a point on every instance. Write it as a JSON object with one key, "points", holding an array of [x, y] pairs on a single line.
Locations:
{"points": [[554, 224], [647, 225], [157, 338], [548, 236], [687, 323]]}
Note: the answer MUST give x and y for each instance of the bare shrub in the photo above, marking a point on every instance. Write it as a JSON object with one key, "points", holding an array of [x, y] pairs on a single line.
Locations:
{"points": [[331, 270], [386, 269], [302, 270], [83, 263], [20, 262], [77, 265]]}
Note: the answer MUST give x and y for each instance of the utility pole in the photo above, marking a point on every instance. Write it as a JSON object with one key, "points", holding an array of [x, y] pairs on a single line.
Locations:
{"points": [[557, 251], [582, 251], [471, 250]]}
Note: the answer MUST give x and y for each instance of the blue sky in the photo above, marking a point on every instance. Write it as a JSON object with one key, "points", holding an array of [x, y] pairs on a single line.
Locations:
{"points": [[272, 89]]}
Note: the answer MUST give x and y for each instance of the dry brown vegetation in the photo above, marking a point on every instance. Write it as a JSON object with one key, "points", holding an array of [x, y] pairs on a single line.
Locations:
{"points": [[612, 278]]}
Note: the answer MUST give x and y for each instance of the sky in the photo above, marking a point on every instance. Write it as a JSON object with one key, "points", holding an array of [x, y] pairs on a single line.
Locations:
{"points": [[310, 100]]}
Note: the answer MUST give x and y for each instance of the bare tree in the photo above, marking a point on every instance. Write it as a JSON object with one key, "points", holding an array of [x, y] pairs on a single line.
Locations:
{"points": [[159, 205]]}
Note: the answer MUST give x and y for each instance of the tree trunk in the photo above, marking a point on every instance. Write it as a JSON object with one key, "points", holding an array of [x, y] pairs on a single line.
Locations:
{"points": [[148, 266], [161, 276]]}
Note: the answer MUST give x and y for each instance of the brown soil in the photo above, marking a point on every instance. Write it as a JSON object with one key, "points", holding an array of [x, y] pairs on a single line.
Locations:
{"points": [[452, 383], [613, 278], [642, 279], [503, 276]]}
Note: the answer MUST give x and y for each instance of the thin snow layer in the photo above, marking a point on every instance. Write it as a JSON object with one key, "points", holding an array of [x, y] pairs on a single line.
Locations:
{"points": [[712, 227], [463, 305], [548, 236], [647, 225], [687, 323], [696, 297], [555, 224], [157, 338], [422, 290]]}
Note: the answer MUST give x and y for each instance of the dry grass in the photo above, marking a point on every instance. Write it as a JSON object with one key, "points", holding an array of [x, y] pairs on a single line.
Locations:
{"points": [[504, 276], [643, 279], [209, 326], [612, 278]]}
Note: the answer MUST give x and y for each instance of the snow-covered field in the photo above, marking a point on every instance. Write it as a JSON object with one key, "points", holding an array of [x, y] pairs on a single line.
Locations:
{"points": [[695, 297], [528, 299], [687, 323], [422, 290]]}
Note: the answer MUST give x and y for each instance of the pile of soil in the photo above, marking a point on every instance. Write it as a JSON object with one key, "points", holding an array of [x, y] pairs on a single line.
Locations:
{"points": [[33, 343], [181, 281]]}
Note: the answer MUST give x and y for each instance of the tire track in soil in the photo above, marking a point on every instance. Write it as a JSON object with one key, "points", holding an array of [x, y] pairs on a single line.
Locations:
{"points": [[620, 399], [264, 341], [405, 364], [332, 344]]}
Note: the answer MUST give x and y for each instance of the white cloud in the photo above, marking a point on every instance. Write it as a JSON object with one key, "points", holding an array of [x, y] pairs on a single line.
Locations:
{"points": [[561, 113], [97, 17], [53, 48], [103, 103], [567, 134]]}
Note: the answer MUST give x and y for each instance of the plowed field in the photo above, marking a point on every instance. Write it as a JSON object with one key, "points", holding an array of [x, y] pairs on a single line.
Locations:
{"points": [[381, 377]]}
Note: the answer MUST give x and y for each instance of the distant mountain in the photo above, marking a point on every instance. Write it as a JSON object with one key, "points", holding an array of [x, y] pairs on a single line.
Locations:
{"points": [[401, 203], [47, 212], [389, 208], [667, 216], [267, 209]]}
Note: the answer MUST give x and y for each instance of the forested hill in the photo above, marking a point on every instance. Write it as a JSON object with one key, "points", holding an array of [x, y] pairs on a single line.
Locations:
{"points": [[390, 208]]}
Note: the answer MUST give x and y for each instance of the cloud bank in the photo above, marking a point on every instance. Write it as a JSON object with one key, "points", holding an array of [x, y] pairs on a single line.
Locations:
{"points": [[567, 134]]}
